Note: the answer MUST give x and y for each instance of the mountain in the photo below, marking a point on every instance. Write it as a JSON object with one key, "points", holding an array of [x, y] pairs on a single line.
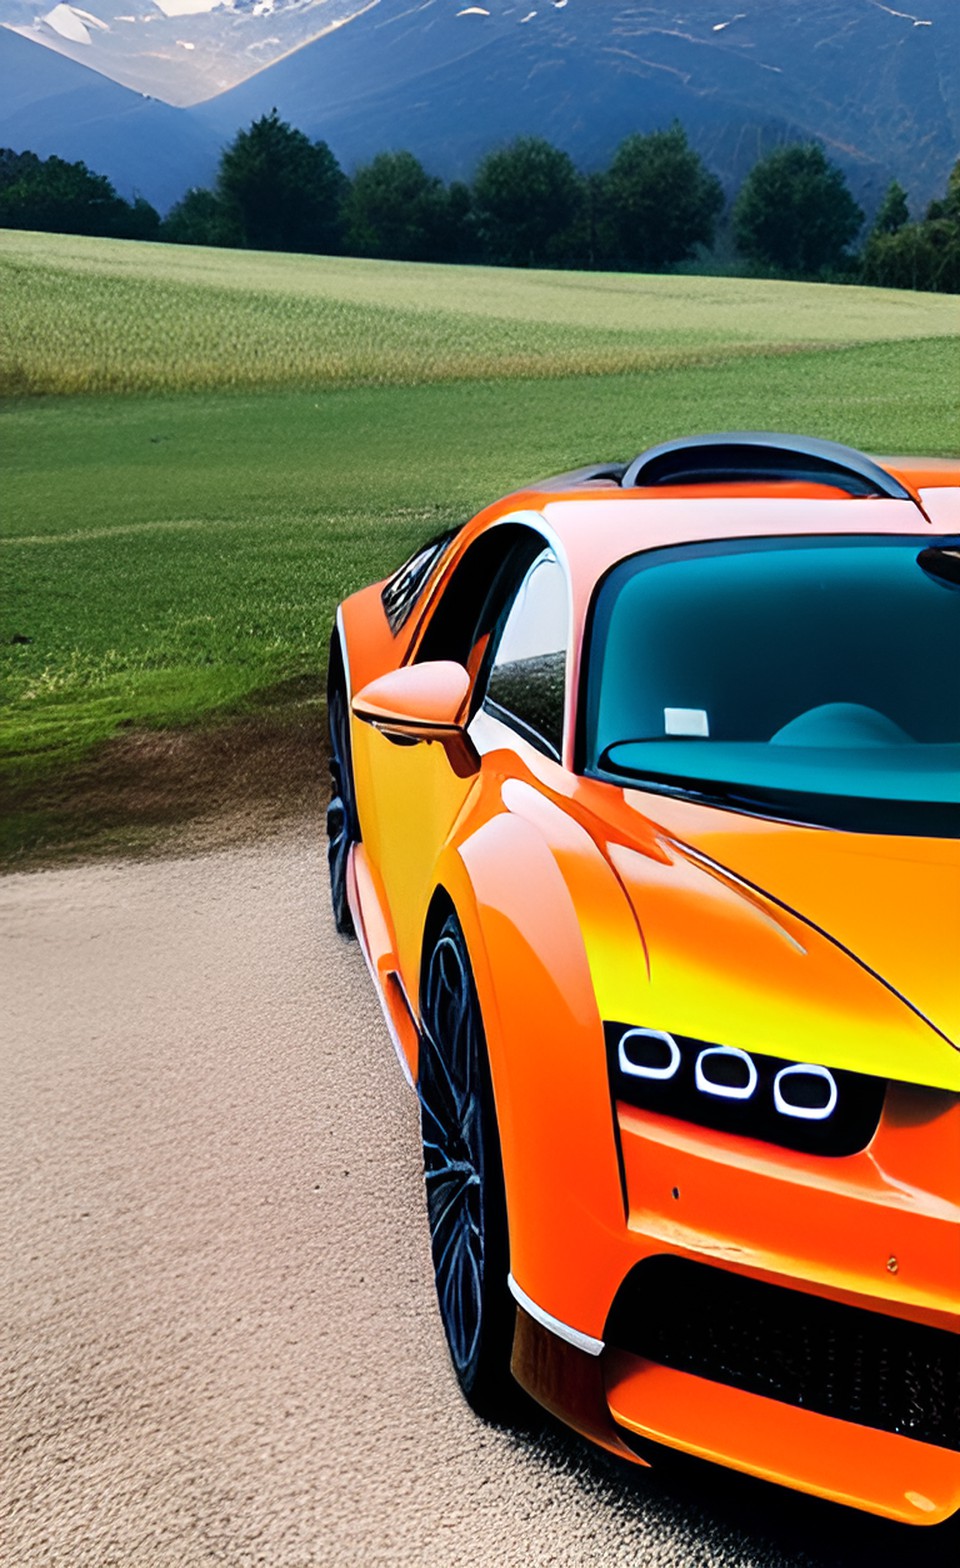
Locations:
{"points": [[177, 50], [449, 80], [51, 105]]}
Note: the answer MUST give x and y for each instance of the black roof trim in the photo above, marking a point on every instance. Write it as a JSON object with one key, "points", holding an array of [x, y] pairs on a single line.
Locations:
{"points": [[739, 455]]}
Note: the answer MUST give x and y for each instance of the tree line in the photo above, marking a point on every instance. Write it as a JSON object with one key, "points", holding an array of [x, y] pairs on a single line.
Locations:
{"points": [[655, 206]]}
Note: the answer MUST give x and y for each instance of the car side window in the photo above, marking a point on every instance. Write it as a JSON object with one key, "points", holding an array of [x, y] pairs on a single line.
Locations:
{"points": [[402, 590], [526, 684], [471, 601]]}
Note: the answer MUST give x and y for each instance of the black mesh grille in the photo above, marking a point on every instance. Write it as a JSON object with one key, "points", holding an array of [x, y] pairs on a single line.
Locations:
{"points": [[840, 1361]]}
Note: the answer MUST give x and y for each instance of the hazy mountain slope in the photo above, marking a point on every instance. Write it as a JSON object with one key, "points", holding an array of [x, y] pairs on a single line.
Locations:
{"points": [[50, 105], [880, 90], [181, 56]]}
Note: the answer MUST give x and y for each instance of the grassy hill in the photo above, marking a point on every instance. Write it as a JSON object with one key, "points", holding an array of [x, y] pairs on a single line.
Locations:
{"points": [[97, 316], [205, 450]]}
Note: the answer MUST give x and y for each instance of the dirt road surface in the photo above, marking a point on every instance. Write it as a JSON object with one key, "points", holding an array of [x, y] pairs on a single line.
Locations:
{"points": [[220, 1341]]}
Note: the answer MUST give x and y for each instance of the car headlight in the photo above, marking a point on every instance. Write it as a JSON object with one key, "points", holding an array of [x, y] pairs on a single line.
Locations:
{"points": [[800, 1105]]}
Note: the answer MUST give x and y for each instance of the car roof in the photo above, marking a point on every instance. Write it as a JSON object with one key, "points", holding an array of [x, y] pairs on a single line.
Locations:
{"points": [[710, 464], [739, 484]]}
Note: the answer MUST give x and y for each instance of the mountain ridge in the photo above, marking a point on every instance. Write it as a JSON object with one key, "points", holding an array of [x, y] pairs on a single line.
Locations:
{"points": [[448, 81], [57, 107], [847, 72]]}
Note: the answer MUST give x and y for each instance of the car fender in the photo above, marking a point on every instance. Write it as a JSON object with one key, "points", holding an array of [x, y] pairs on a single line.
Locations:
{"points": [[368, 645], [525, 884]]}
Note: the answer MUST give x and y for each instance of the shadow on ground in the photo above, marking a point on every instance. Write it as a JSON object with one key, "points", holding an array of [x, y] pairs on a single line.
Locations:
{"points": [[761, 1522], [160, 792]]}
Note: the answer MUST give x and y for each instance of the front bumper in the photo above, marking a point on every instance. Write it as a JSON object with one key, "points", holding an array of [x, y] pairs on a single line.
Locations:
{"points": [[877, 1235], [616, 1398]]}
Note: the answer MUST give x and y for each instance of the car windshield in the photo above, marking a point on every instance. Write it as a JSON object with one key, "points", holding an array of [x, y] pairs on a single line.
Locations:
{"points": [[810, 679]]}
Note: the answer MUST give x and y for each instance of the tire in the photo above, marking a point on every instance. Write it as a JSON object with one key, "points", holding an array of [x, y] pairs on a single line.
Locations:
{"points": [[463, 1176], [342, 826]]}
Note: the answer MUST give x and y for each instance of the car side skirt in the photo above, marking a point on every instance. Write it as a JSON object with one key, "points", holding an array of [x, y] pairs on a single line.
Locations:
{"points": [[376, 942]]}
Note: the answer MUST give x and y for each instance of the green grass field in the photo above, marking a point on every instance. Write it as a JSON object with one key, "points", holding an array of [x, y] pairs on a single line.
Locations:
{"points": [[203, 451], [106, 316]]}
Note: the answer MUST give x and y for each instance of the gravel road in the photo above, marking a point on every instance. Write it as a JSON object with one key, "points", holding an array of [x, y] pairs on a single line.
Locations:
{"points": [[220, 1341]]}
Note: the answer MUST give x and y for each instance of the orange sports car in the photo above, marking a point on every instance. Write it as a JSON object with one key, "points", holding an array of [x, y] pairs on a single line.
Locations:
{"points": [[646, 794]]}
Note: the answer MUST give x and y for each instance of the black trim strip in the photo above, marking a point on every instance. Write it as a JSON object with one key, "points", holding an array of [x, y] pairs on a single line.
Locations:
{"points": [[523, 729]]}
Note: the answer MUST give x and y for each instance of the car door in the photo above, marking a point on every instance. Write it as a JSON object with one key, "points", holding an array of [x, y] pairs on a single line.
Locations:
{"points": [[412, 793]]}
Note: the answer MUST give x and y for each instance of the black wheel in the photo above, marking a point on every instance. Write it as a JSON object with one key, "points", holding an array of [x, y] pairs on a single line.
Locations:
{"points": [[342, 829], [464, 1180]]}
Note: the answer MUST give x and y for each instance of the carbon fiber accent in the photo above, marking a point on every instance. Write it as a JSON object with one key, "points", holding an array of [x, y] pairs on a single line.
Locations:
{"points": [[840, 1361]]}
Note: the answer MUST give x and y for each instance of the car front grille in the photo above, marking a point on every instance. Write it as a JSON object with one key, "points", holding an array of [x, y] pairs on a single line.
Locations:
{"points": [[837, 1360]]}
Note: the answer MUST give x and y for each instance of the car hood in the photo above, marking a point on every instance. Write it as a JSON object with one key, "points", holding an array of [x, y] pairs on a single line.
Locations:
{"points": [[815, 944]]}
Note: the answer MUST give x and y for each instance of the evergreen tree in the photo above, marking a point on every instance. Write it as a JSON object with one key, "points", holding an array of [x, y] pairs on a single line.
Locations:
{"points": [[794, 212], [893, 212], [920, 255], [280, 190], [143, 222], [461, 233], [67, 198], [16, 166], [395, 209], [657, 201], [200, 218], [527, 198]]}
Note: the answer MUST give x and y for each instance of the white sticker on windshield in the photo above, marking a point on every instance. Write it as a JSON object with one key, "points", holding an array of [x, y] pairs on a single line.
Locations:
{"points": [[686, 721]]}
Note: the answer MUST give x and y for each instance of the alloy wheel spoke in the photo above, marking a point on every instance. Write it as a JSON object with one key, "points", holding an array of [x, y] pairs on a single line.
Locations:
{"points": [[448, 1202], [451, 1129], [460, 1300]]}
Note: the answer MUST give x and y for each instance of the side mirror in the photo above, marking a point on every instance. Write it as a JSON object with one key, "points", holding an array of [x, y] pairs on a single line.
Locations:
{"points": [[417, 702]]}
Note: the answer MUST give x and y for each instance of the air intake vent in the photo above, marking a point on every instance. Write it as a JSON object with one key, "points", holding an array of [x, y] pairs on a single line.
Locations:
{"points": [[840, 1361], [744, 455]]}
